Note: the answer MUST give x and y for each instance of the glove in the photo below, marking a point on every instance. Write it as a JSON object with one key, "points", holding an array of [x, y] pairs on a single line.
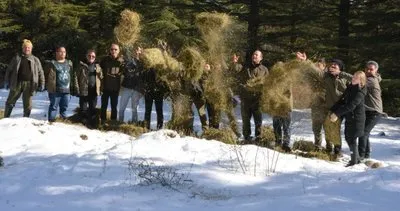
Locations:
{"points": [[41, 88], [333, 117]]}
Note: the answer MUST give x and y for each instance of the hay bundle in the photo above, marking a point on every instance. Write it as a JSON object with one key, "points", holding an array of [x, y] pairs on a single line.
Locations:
{"points": [[128, 29], [225, 135], [129, 129], [193, 63], [304, 146]]}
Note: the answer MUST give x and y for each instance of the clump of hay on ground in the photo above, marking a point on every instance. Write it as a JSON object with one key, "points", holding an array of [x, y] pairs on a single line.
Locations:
{"points": [[305, 146], [1, 114], [225, 135], [127, 31], [193, 63], [267, 137], [134, 130]]}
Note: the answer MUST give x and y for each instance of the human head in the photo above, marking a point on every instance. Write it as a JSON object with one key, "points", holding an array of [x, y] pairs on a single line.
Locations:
{"points": [[27, 47], [114, 50], [336, 65], [138, 52], [91, 56], [61, 53], [257, 57], [359, 78], [371, 68]]}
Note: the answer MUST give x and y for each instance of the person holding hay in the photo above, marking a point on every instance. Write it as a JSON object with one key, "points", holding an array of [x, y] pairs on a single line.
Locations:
{"points": [[24, 76], [335, 81], [250, 79], [132, 86], [88, 78], [112, 66], [351, 107]]}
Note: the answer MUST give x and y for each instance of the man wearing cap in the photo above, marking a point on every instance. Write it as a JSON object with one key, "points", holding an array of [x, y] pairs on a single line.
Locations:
{"points": [[24, 76], [335, 81]]}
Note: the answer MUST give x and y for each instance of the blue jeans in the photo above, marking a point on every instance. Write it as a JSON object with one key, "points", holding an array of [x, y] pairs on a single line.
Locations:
{"points": [[58, 99], [127, 94]]}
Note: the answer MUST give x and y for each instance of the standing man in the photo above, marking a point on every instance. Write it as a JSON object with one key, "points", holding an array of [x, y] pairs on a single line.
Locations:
{"points": [[58, 74], [335, 81], [112, 67], [24, 76], [88, 86], [132, 86], [250, 100], [373, 107]]}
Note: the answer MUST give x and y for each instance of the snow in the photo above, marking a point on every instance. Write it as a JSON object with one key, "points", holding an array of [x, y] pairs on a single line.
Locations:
{"points": [[51, 166]]}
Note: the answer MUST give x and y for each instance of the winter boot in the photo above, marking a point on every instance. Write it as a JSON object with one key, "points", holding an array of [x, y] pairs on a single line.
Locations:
{"points": [[8, 110]]}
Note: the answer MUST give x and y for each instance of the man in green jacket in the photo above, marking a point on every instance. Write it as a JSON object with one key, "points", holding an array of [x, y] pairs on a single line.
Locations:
{"points": [[24, 76]]}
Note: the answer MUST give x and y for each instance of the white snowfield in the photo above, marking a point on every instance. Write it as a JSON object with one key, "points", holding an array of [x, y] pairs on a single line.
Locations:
{"points": [[68, 167]]}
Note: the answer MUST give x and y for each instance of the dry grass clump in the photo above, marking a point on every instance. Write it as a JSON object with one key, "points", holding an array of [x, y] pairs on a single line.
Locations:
{"points": [[317, 154], [134, 130], [127, 31], [267, 137], [1, 114], [225, 135], [193, 63], [160, 60], [305, 146]]}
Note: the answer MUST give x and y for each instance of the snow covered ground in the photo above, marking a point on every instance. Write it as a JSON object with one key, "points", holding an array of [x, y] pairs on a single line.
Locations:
{"points": [[68, 167]]}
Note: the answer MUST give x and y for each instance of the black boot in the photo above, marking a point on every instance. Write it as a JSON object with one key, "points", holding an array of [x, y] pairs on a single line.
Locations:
{"points": [[8, 110]]}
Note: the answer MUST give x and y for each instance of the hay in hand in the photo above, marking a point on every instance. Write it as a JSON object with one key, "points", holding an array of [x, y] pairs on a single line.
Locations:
{"points": [[193, 63], [127, 31], [225, 135]]}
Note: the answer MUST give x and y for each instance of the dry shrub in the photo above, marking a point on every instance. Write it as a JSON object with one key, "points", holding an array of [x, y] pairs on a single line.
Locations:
{"points": [[225, 135], [181, 118], [305, 146], [193, 63], [127, 31]]}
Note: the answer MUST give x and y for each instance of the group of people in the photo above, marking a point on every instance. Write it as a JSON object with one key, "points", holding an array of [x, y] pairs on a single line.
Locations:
{"points": [[356, 98]]}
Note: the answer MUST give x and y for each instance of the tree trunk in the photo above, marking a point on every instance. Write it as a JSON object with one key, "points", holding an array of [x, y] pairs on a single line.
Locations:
{"points": [[343, 43], [253, 22]]}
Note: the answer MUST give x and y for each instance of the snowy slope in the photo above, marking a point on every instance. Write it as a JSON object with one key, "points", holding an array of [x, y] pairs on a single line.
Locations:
{"points": [[68, 167]]}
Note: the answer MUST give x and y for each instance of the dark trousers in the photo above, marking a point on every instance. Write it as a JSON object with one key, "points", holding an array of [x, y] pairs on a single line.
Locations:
{"points": [[282, 129], [251, 108], [24, 88], [87, 106], [372, 118], [149, 98], [113, 96], [352, 142]]}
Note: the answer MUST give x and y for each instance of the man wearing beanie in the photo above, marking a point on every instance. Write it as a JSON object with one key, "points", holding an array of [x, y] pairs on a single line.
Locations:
{"points": [[335, 81], [24, 76]]}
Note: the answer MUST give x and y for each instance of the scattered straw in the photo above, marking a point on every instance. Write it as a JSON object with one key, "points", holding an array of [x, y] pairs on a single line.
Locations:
{"points": [[193, 63]]}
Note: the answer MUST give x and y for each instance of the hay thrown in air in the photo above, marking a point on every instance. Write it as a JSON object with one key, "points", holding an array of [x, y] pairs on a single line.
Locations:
{"points": [[277, 96], [211, 22], [181, 117], [128, 29], [224, 135], [193, 63], [159, 60]]}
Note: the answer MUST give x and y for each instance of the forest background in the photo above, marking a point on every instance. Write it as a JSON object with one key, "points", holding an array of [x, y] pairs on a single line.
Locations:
{"points": [[353, 30]]}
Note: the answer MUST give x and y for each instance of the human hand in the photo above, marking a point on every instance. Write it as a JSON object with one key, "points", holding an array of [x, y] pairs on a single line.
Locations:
{"points": [[333, 117], [301, 56]]}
